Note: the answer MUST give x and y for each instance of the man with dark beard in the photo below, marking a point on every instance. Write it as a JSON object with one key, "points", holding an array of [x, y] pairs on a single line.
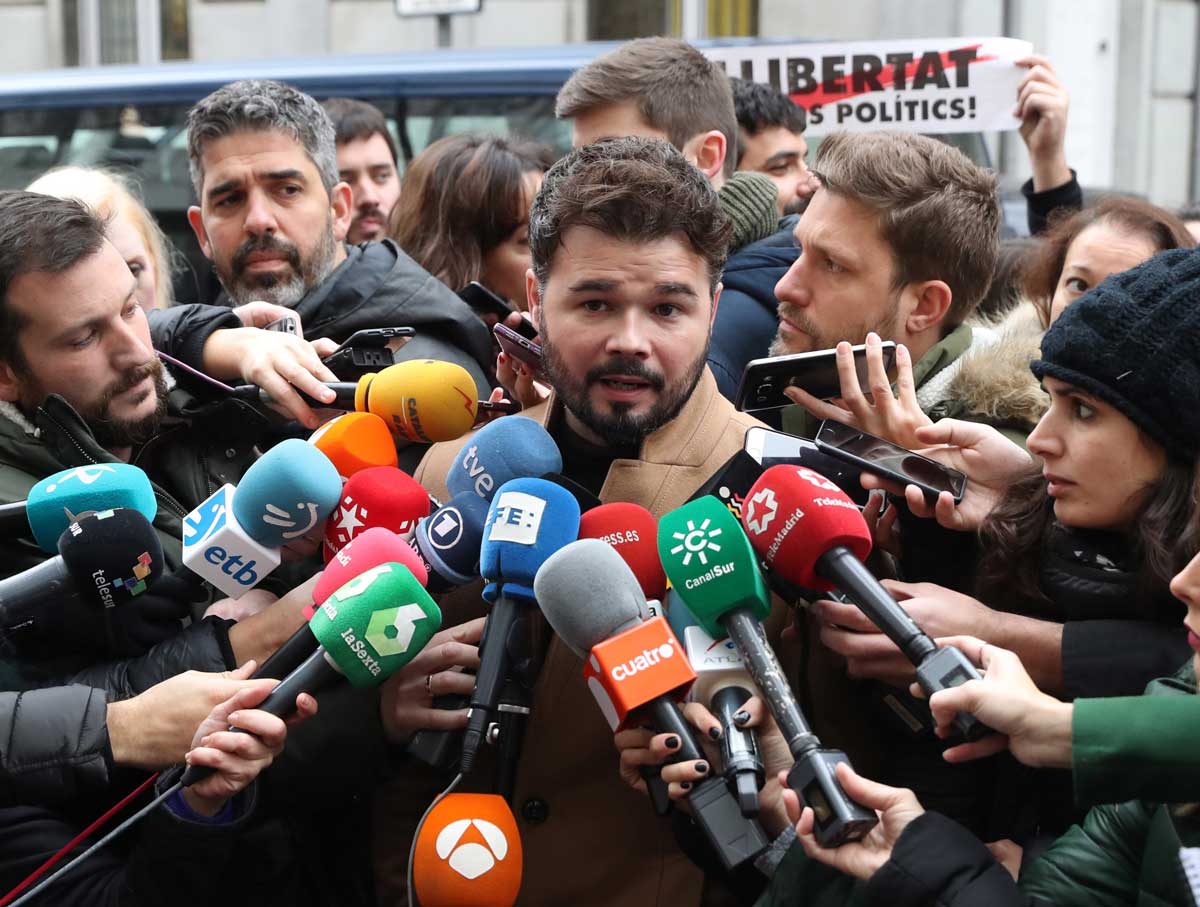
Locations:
{"points": [[628, 242]]}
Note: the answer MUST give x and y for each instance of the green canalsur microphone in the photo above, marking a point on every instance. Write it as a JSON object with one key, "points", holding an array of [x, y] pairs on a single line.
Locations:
{"points": [[713, 568]]}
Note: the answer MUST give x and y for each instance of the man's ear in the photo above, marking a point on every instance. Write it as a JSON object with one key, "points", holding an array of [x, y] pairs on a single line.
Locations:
{"points": [[707, 151], [932, 300], [196, 219], [10, 391], [533, 296], [341, 205]]}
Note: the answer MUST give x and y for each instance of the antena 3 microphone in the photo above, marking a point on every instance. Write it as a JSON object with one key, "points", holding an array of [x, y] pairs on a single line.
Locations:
{"points": [[468, 853], [808, 529]]}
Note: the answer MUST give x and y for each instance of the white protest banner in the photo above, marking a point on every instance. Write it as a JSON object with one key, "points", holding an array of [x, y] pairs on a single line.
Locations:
{"points": [[933, 85]]}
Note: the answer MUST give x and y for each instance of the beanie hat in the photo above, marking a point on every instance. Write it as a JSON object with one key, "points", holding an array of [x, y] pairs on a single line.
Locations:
{"points": [[749, 201], [1134, 342]]}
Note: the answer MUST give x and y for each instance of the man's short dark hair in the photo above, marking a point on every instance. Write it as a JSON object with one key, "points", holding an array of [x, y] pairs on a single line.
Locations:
{"points": [[630, 188], [678, 90], [353, 120], [758, 107], [39, 233]]}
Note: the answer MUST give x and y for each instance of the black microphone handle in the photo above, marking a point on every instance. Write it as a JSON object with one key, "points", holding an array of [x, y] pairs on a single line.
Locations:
{"points": [[759, 658], [23, 595], [739, 748], [490, 677], [293, 653], [345, 391], [13, 519], [316, 674], [840, 566]]}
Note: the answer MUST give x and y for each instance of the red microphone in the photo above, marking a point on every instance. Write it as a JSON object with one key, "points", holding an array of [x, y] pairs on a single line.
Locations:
{"points": [[807, 528], [381, 496], [632, 532], [468, 853]]}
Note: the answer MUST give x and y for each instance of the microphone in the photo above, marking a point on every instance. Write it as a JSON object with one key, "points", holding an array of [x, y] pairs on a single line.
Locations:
{"points": [[233, 538], [529, 520], [502, 450], [381, 496], [468, 853], [449, 539], [632, 531], [722, 685], [355, 441], [105, 560], [810, 530], [636, 670], [367, 630], [57, 500], [710, 563]]}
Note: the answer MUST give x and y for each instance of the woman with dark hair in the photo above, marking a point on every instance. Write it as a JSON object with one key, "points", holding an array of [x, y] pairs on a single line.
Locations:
{"points": [[463, 213], [1079, 251]]}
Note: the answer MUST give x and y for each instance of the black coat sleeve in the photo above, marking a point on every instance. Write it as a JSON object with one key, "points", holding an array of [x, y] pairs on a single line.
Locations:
{"points": [[937, 861], [182, 330], [1039, 206], [53, 744], [1119, 657]]}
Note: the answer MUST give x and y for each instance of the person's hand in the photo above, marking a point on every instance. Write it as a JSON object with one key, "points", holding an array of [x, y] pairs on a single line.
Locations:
{"points": [[251, 603], [777, 762], [990, 461], [1042, 103], [882, 523], [893, 417], [896, 808], [1008, 854], [238, 758], [155, 729], [638, 747], [1034, 726], [406, 703], [258, 313], [256, 636], [498, 395], [516, 377]]}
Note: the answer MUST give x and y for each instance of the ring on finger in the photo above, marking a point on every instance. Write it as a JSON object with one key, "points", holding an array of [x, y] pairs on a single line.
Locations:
{"points": [[429, 684]]}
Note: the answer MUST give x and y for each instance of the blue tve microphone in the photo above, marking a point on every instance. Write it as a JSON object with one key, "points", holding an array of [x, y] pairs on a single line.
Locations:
{"points": [[55, 502], [448, 541], [528, 521], [500, 451]]}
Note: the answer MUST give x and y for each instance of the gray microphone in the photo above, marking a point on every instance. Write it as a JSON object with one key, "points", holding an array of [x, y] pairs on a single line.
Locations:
{"points": [[589, 595]]}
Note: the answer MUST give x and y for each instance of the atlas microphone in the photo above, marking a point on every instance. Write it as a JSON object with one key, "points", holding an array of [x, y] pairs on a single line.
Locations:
{"points": [[381, 496], [468, 853], [712, 566], [354, 442], [636, 670], [233, 538], [808, 529], [528, 521], [367, 630], [56, 501]]}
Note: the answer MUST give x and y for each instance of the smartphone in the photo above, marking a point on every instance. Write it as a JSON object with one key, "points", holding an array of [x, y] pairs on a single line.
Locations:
{"points": [[773, 448], [288, 324], [519, 348], [367, 351], [885, 459], [484, 302], [508, 407], [764, 380]]}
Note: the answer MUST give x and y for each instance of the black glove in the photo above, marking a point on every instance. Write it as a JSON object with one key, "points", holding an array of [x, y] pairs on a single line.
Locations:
{"points": [[153, 616]]}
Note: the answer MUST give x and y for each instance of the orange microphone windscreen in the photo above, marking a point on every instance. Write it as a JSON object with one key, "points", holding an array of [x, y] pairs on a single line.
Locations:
{"points": [[355, 441], [468, 854]]}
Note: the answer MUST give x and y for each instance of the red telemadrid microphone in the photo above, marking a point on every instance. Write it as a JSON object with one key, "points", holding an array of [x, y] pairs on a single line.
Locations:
{"points": [[355, 441], [806, 528], [382, 496], [468, 853], [632, 532]]}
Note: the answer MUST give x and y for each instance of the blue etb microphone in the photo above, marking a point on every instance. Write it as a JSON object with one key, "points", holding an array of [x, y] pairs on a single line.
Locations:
{"points": [[286, 493], [528, 521], [56, 500], [500, 451]]}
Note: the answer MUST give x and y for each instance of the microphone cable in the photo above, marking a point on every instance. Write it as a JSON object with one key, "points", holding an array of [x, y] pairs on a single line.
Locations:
{"points": [[7, 900], [412, 850]]}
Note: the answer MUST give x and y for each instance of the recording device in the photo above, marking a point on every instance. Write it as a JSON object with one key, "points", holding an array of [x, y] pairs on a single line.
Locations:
{"points": [[710, 563], [288, 324], [522, 348], [636, 669], [500, 451], [57, 500], [764, 380], [887, 460], [773, 448], [504, 407], [484, 302], [233, 538], [813, 534], [381, 496], [468, 853], [105, 560], [367, 630], [367, 351], [529, 520], [355, 441]]}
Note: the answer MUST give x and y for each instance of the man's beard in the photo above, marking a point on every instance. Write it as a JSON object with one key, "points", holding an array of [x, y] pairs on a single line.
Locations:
{"points": [[620, 427], [796, 205], [281, 289], [885, 327], [113, 433]]}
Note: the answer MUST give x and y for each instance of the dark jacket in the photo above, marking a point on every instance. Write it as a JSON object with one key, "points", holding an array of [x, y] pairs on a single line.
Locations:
{"points": [[748, 312], [376, 286], [1040, 207]]}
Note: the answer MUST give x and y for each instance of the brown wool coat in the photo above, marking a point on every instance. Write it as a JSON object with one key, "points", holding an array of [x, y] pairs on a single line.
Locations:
{"points": [[600, 844]]}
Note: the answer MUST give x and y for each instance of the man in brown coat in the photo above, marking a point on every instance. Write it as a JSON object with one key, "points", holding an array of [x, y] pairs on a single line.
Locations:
{"points": [[628, 243]]}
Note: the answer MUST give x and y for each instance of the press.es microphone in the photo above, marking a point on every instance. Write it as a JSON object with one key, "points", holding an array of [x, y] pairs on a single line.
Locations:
{"points": [[632, 532], [636, 670], [355, 441], [57, 500], [381, 496], [807, 528], [709, 561], [502, 450], [468, 853], [367, 630]]}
